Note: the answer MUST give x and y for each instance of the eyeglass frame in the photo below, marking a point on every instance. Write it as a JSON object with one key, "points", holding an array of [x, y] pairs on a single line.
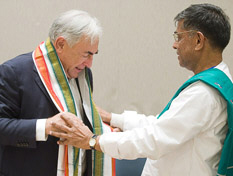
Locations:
{"points": [[175, 35]]}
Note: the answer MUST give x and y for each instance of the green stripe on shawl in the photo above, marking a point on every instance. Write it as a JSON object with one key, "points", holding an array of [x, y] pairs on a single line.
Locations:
{"points": [[65, 89], [61, 78], [98, 130]]}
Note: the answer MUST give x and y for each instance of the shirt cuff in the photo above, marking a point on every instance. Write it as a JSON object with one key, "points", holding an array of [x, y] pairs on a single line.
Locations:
{"points": [[117, 120], [108, 145], [40, 130]]}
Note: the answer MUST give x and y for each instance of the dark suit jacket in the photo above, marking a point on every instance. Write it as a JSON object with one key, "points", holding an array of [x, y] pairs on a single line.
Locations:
{"points": [[23, 100]]}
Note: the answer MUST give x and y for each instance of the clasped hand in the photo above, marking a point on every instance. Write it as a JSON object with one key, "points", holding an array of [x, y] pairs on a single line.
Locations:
{"points": [[72, 132]]}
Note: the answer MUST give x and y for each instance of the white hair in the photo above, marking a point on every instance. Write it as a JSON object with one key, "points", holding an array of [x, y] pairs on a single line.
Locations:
{"points": [[74, 24]]}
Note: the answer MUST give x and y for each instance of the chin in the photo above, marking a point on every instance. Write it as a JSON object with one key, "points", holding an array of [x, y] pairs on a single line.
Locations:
{"points": [[180, 63], [76, 76], [73, 75]]}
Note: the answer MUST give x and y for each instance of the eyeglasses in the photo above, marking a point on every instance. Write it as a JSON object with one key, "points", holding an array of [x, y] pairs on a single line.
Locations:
{"points": [[176, 35]]}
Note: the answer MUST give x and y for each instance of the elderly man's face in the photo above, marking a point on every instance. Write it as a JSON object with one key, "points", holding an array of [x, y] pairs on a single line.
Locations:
{"points": [[185, 46], [74, 59]]}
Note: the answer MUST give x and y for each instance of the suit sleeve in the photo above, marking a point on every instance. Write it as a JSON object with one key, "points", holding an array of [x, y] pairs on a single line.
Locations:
{"points": [[14, 129]]}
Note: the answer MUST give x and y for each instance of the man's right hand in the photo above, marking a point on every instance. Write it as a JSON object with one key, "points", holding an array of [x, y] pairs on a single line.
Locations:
{"points": [[56, 118]]}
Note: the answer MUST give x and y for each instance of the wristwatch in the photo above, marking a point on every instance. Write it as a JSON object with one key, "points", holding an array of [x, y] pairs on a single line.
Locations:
{"points": [[92, 142]]}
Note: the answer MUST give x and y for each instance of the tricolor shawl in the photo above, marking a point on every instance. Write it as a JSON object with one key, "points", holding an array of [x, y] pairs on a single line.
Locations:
{"points": [[220, 81], [53, 77]]}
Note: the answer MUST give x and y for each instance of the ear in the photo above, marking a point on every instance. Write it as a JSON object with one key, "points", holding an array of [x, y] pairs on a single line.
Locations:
{"points": [[59, 44], [200, 41]]}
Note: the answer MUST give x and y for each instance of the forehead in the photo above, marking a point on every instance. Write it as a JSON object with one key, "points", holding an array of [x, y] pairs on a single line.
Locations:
{"points": [[86, 43], [180, 26]]}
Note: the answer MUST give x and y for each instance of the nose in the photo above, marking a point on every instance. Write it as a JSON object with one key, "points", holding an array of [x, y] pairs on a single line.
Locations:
{"points": [[88, 62], [175, 45]]}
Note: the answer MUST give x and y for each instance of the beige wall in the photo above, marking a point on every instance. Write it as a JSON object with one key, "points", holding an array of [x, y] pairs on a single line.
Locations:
{"points": [[136, 67]]}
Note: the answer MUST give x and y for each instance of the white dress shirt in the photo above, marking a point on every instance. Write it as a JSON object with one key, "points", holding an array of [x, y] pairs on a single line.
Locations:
{"points": [[186, 140]]}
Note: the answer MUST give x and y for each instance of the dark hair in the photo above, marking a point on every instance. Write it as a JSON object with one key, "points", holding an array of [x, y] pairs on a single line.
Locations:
{"points": [[208, 19]]}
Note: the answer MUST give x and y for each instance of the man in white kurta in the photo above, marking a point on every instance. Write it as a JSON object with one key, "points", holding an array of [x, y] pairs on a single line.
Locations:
{"points": [[186, 140]]}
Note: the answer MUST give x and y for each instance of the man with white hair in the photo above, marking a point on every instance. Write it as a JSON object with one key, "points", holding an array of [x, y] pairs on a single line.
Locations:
{"points": [[36, 88]]}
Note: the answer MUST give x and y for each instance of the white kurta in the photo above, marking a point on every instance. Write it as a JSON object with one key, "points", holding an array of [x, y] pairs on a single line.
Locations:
{"points": [[186, 140]]}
